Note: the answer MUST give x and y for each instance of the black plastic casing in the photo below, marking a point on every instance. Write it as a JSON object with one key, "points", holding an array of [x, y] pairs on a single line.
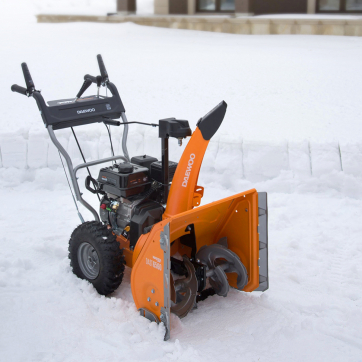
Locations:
{"points": [[211, 122], [64, 113], [124, 184], [172, 127], [146, 215], [156, 170], [144, 160]]}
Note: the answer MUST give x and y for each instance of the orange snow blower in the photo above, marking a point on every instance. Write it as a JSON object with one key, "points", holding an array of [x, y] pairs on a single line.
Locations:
{"points": [[150, 218]]}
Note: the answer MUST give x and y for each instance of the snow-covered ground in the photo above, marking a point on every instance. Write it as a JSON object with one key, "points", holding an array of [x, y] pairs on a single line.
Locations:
{"points": [[293, 128], [312, 311]]}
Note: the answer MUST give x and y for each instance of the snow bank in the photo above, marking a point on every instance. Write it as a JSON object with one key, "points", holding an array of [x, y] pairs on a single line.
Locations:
{"points": [[250, 160]]}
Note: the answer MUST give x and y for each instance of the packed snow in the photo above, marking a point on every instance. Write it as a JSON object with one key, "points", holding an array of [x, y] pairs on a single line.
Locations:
{"points": [[293, 129]]}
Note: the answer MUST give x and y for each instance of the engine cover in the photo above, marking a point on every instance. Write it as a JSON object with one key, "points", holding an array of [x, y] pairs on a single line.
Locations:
{"points": [[124, 180]]}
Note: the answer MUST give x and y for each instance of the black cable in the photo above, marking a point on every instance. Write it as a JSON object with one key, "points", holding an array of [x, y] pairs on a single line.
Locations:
{"points": [[146, 124], [81, 152], [110, 139]]}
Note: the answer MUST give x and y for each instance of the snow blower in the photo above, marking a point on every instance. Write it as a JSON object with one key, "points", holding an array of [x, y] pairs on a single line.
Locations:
{"points": [[150, 218]]}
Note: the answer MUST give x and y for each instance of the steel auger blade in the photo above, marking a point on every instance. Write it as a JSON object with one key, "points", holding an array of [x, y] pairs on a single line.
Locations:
{"points": [[186, 290], [220, 260]]}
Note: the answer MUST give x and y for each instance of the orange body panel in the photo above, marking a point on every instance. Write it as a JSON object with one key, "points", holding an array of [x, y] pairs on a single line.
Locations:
{"points": [[184, 193], [128, 254], [147, 278], [235, 217]]}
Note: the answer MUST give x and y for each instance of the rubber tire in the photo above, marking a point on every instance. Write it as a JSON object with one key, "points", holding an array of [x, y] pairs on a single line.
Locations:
{"points": [[109, 253]]}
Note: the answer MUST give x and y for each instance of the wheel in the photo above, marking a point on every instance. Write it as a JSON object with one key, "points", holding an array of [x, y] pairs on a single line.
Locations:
{"points": [[95, 255]]}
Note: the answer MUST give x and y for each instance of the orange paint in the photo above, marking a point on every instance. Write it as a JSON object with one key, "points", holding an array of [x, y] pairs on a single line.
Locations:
{"points": [[184, 189]]}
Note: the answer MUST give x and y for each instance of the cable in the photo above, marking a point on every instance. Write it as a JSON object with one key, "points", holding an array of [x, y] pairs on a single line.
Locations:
{"points": [[146, 124], [75, 203], [110, 139], [81, 152]]}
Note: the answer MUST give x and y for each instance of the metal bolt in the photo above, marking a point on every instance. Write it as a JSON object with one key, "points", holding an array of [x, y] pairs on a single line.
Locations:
{"points": [[246, 210], [156, 304], [152, 291], [198, 260], [148, 299]]}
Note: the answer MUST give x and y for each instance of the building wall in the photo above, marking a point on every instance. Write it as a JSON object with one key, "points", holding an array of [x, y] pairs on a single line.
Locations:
{"points": [[311, 6], [257, 7], [161, 7]]}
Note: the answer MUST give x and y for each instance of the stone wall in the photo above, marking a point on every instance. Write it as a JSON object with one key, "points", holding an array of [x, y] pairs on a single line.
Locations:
{"points": [[224, 24]]}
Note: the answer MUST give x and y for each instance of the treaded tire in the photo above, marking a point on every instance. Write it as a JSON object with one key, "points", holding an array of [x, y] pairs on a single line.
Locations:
{"points": [[110, 256]]}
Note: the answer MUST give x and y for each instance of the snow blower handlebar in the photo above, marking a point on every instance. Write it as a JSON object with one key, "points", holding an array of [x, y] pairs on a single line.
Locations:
{"points": [[30, 87], [18, 89]]}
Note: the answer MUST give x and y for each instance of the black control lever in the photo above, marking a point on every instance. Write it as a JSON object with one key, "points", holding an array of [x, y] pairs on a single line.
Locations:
{"points": [[102, 69], [99, 83], [28, 80], [91, 78], [86, 84]]}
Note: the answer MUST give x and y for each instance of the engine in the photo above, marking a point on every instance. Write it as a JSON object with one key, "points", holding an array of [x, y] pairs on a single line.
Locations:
{"points": [[133, 196]]}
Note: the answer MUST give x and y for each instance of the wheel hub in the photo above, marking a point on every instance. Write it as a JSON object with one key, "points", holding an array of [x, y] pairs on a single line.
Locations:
{"points": [[88, 260]]}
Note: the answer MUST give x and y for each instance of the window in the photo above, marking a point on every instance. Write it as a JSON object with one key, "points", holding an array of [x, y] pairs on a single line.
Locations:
{"points": [[216, 5], [354, 5], [207, 5], [329, 5], [339, 6]]}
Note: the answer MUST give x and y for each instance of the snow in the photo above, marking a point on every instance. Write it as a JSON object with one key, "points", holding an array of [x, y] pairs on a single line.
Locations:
{"points": [[87, 7], [293, 129], [312, 310]]}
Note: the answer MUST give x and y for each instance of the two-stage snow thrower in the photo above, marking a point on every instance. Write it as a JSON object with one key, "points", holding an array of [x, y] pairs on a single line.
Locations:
{"points": [[150, 218]]}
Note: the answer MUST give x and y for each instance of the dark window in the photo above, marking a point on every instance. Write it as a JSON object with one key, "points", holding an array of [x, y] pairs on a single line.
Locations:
{"points": [[339, 6], [260, 7], [177, 6], [216, 6]]}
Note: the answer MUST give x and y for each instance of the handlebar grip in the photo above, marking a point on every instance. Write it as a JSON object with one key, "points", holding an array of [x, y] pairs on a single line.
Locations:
{"points": [[91, 78], [111, 122], [18, 89], [28, 80], [102, 68], [86, 84]]}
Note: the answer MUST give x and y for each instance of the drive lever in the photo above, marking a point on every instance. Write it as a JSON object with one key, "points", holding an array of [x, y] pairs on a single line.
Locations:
{"points": [[86, 84]]}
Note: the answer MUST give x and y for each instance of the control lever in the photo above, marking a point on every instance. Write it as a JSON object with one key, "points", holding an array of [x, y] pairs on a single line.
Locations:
{"points": [[86, 84], [30, 87], [102, 69], [91, 78], [99, 83]]}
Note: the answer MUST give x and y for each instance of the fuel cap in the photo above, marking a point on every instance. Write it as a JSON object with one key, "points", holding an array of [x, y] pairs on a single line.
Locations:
{"points": [[125, 167]]}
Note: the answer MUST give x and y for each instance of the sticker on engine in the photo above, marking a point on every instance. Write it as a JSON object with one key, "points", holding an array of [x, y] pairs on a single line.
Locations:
{"points": [[155, 264]]}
